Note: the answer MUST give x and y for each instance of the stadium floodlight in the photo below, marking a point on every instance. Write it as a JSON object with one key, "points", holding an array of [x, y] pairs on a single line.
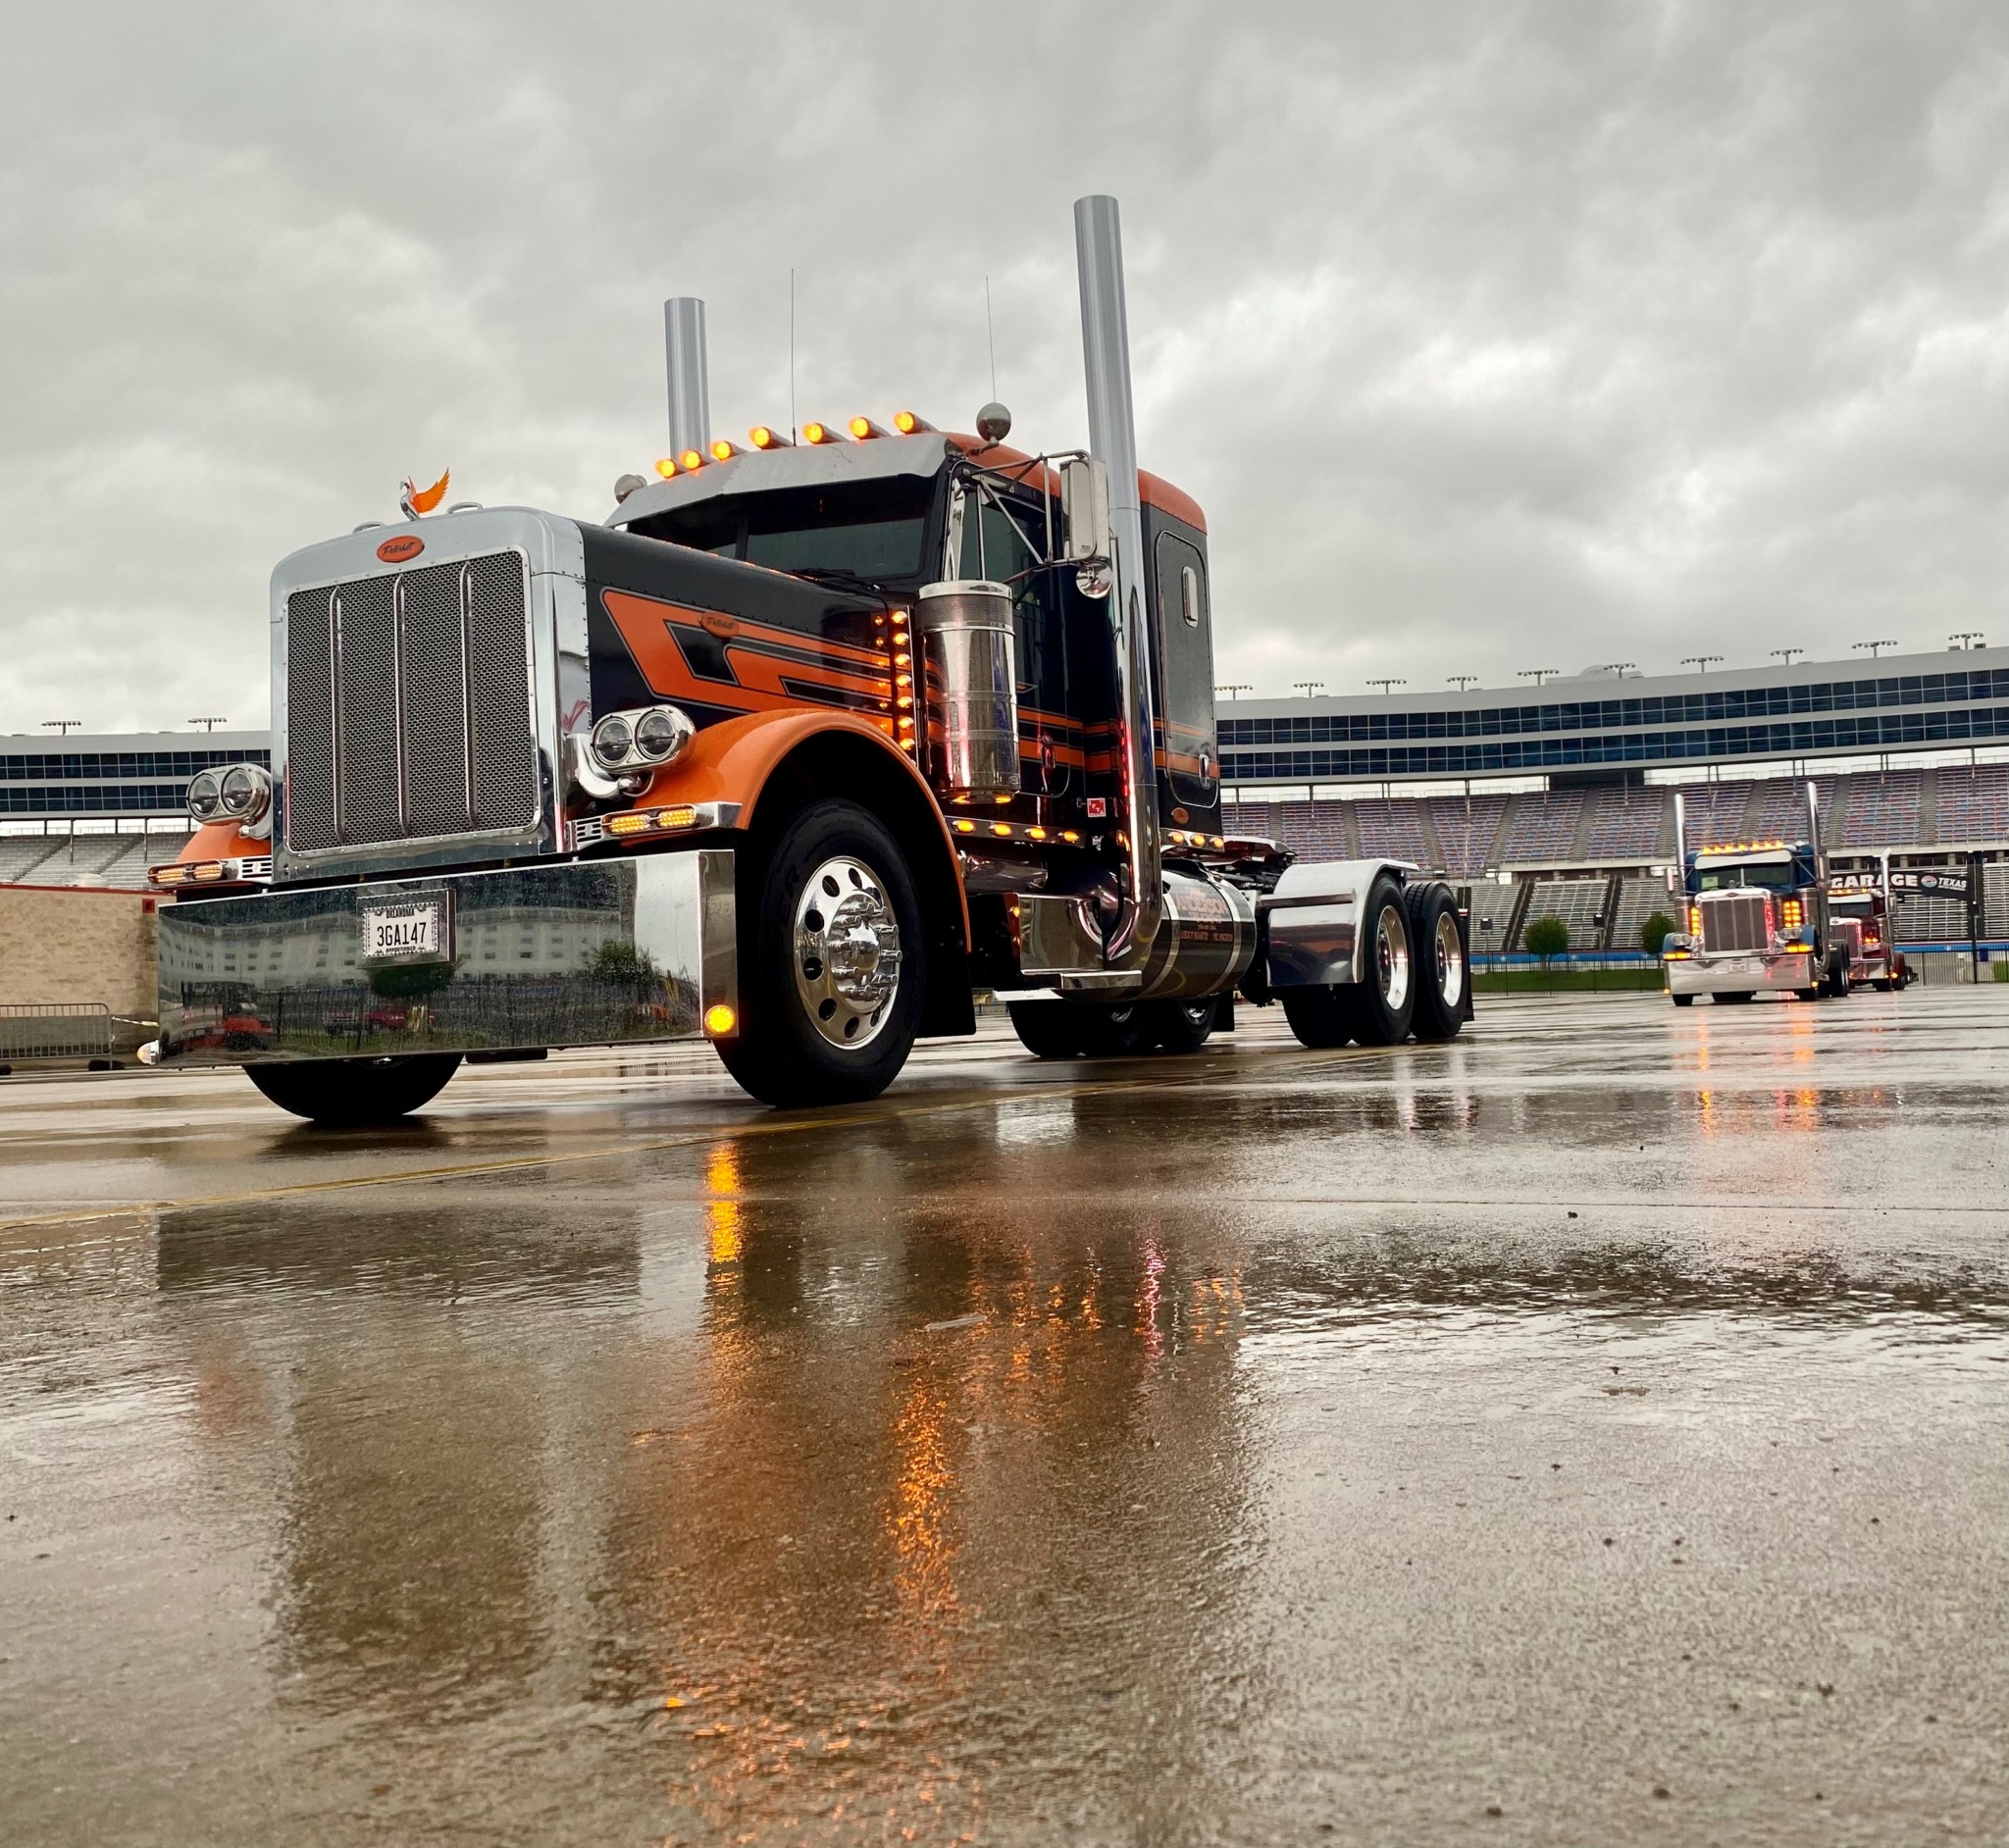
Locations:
{"points": [[65, 726], [209, 725], [1968, 639], [1875, 647], [1463, 681], [1785, 655], [1701, 663], [1235, 686], [1308, 686], [1621, 668], [1538, 674], [1388, 684]]}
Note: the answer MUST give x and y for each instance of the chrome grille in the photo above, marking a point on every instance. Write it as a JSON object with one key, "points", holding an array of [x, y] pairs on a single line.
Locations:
{"points": [[408, 707], [1734, 921]]}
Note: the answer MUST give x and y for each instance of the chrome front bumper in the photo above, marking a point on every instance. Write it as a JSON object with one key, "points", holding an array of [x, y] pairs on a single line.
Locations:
{"points": [[1737, 972], [584, 952]]}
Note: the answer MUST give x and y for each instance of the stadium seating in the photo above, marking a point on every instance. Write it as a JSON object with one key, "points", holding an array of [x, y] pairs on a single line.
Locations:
{"points": [[1580, 902], [1629, 824], [1974, 804], [1883, 812], [1542, 831]]}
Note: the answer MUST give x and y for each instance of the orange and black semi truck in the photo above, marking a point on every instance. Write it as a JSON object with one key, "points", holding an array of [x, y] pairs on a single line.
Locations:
{"points": [[808, 743]]}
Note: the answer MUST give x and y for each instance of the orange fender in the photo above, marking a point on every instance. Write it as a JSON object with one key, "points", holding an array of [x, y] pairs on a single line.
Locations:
{"points": [[732, 761], [221, 841]]}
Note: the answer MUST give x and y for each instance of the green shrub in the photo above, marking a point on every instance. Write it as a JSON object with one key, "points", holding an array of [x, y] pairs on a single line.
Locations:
{"points": [[1654, 931], [1546, 938]]}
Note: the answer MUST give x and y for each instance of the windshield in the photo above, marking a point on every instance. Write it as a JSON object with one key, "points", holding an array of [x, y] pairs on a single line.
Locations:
{"points": [[1857, 906], [1773, 876], [872, 530]]}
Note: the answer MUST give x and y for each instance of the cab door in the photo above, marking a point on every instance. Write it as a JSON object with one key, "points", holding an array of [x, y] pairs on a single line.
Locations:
{"points": [[1183, 670]]}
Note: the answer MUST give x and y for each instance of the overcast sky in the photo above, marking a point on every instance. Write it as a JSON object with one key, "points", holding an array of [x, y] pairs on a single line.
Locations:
{"points": [[1490, 336]]}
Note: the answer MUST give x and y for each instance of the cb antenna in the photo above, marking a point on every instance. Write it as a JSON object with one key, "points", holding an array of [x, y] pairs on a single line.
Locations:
{"points": [[990, 336], [791, 353]]}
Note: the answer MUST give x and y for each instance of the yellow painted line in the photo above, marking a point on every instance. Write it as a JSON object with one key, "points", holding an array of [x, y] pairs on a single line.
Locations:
{"points": [[777, 1125]]}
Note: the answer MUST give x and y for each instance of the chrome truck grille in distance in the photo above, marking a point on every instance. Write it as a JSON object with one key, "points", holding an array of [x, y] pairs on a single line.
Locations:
{"points": [[408, 707], [1735, 921]]}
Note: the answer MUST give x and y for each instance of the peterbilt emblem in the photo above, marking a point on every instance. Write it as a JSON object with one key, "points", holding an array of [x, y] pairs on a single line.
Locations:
{"points": [[720, 625], [400, 547]]}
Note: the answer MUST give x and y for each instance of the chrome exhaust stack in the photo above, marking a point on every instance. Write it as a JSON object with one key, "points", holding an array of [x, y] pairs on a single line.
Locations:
{"points": [[689, 379], [1112, 441]]}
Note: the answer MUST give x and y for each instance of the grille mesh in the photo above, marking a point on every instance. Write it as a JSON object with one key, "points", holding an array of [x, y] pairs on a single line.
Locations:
{"points": [[439, 640], [1736, 922]]}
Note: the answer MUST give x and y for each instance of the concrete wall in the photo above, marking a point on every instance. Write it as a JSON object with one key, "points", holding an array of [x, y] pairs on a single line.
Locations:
{"points": [[70, 944]]}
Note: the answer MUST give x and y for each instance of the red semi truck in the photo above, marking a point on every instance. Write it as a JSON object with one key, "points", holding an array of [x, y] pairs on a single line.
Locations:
{"points": [[802, 746]]}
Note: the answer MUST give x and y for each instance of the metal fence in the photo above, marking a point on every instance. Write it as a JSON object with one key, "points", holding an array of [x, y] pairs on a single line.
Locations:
{"points": [[55, 1030]]}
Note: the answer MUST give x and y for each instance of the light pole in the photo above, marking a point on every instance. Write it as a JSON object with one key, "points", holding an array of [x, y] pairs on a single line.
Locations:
{"points": [[1701, 663], [1387, 685], [1463, 681], [1538, 674], [1308, 686], [1622, 668], [1968, 639], [1785, 655], [1235, 686], [1875, 647], [65, 726], [209, 725]]}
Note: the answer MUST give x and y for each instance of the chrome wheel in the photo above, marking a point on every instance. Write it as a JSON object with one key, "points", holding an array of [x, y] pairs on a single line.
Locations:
{"points": [[1449, 954], [1391, 956], [847, 952]]}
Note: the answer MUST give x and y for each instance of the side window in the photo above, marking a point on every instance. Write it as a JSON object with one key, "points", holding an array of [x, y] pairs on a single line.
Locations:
{"points": [[1185, 671]]}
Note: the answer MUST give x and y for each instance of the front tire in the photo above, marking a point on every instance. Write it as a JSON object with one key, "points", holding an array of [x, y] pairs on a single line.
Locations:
{"points": [[1684, 1000], [1443, 970], [1382, 1002], [831, 961], [348, 1093]]}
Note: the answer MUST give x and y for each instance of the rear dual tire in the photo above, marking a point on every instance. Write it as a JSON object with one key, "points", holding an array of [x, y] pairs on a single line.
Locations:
{"points": [[1414, 975]]}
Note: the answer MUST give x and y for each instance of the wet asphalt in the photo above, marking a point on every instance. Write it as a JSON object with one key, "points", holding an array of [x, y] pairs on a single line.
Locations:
{"points": [[1591, 1431]]}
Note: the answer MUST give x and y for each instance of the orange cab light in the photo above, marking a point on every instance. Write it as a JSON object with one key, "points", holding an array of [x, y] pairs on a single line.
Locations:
{"points": [[1035, 834], [819, 433], [864, 430], [1002, 829], [908, 425], [691, 460], [1069, 834], [724, 449], [719, 1019], [666, 466], [766, 437], [963, 825]]}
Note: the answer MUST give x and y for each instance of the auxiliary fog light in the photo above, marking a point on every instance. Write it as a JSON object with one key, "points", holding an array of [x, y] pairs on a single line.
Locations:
{"points": [[245, 792]]}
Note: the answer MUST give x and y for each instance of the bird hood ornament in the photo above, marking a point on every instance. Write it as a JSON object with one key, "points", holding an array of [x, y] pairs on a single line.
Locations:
{"points": [[418, 500]]}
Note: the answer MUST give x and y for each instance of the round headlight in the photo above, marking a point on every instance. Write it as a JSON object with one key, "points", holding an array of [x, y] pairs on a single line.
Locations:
{"points": [[205, 798], [661, 733], [245, 791], [611, 738]]}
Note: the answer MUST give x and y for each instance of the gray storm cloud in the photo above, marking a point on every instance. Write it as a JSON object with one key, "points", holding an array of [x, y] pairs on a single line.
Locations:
{"points": [[1490, 336]]}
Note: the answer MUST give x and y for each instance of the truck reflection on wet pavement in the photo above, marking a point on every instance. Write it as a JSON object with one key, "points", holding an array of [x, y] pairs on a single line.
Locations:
{"points": [[1590, 1430]]}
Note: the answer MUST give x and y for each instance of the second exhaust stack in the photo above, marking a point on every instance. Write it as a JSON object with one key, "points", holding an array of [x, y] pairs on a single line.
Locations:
{"points": [[1113, 440], [690, 385]]}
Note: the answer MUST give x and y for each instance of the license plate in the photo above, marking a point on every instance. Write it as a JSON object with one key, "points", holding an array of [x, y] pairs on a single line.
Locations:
{"points": [[406, 932]]}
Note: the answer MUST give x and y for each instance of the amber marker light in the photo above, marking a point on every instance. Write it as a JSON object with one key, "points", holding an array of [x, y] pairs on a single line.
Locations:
{"points": [[963, 825], [1035, 834], [864, 430], [819, 433], [908, 425], [719, 1020], [766, 437], [1002, 829], [666, 466], [691, 460], [724, 449]]}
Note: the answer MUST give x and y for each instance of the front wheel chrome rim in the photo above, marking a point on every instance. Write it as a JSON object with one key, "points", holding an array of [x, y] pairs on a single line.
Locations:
{"points": [[1391, 958], [847, 953], [1450, 954]]}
